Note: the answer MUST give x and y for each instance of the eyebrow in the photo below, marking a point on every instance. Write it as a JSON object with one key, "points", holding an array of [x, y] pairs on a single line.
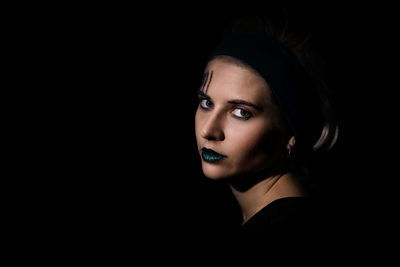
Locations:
{"points": [[234, 101], [242, 102], [204, 95]]}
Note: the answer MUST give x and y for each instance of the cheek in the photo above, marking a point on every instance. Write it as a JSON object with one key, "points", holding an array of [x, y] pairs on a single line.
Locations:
{"points": [[254, 143], [246, 141]]}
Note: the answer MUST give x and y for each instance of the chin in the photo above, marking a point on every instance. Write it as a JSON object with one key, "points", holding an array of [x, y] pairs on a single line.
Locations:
{"points": [[214, 172]]}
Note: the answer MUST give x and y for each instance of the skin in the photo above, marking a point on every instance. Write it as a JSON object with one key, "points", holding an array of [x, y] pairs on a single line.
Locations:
{"points": [[252, 137]]}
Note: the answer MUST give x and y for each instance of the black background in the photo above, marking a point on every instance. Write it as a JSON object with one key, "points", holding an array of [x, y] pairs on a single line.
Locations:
{"points": [[118, 175]]}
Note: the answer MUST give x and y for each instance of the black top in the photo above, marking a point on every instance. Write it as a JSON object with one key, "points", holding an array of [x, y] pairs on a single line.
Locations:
{"points": [[291, 225]]}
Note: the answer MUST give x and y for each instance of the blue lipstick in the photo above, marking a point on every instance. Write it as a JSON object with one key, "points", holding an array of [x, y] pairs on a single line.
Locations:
{"points": [[211, 156]]}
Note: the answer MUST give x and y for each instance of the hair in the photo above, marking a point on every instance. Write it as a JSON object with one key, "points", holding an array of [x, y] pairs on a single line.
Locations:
{"points": [[301, 43]]}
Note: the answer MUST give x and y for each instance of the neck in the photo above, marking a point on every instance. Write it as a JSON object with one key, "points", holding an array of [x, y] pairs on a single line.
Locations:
{"points": [[264, 192]]}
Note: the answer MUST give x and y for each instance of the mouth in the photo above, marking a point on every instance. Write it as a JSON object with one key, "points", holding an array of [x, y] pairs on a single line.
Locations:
{"points": [[211, 156]]}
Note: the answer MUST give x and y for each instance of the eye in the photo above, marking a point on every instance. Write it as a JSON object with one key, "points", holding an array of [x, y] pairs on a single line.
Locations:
{"points": [[242, 113], [205, 103]]}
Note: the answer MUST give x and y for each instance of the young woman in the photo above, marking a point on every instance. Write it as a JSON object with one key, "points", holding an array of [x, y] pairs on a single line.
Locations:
{"points": [[262, 118]]}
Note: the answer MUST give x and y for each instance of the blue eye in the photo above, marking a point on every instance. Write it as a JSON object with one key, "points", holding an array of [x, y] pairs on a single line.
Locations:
{"points": [[242, 113], [206, 104]]}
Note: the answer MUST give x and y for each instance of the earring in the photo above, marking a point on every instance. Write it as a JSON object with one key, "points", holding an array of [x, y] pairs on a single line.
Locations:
{"points": [[289, 151]]}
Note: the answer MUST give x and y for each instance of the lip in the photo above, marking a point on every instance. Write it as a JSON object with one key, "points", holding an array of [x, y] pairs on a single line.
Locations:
{"points": [[211, 156]]}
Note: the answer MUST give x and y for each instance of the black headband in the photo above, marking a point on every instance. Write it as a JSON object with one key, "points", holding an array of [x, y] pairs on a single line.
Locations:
{"points": [[290, 84]]}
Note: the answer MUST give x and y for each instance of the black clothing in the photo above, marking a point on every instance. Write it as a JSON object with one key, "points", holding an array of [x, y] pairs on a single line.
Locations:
{"points": [[287, 227]]}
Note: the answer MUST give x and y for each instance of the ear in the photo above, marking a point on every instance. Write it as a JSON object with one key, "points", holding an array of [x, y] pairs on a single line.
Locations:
{"points": [[291, 143]]}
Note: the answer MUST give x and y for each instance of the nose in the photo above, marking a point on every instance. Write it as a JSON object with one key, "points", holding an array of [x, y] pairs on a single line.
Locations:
{"points": [[212, 128]]}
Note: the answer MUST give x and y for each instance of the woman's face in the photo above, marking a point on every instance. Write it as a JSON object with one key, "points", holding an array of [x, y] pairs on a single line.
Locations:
{"points": [[236, 122]]}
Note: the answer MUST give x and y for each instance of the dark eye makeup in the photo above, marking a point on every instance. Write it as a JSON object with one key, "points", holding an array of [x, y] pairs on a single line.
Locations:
{"points": [[238, 112]]}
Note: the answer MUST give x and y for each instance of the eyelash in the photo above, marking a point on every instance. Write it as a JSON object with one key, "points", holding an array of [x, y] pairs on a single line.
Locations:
{"points": [[205, 107]]}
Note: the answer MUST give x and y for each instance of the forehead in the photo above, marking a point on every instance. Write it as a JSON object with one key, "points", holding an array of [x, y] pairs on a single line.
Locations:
{"points": [[237, 81]]}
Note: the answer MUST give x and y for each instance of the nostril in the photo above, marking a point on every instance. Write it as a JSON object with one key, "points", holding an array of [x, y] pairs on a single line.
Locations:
{"points": [[212, 127], [207, 134], [213, 134]]}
